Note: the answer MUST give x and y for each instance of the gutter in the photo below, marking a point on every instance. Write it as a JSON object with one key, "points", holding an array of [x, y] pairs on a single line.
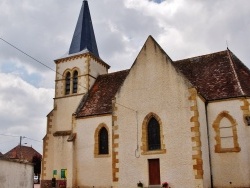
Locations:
{"points": [[209, 150]]}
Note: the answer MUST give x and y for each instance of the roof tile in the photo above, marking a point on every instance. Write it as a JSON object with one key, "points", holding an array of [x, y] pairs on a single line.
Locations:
{"points": [[216, 76], [99, 98]]}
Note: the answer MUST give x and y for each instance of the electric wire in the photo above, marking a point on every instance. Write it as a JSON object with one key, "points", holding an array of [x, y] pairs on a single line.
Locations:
{"points": [[9, 135], [20, 136], [36, 60], [18, 49], [137, 154]]}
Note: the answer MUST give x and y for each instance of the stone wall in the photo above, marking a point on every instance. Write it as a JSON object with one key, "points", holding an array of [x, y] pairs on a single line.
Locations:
{"points": [[16, 174]]}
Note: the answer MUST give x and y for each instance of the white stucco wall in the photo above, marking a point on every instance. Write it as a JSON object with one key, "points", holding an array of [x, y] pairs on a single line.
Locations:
{"points": [[59, 154], [65, 107], [16, 174], [204, 143], [91, 170], [96, 69], [232, 166], [153, 85]]}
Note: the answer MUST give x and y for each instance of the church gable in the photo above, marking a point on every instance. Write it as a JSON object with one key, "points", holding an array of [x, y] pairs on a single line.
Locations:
{"points": [[152, 66], [152, 118]]}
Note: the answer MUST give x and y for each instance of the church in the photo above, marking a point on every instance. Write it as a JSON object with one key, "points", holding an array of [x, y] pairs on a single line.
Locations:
{"points": [[161, 123]]}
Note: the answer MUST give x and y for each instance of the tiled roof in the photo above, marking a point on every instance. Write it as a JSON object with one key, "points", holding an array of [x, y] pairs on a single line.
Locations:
{"points": [[217, 76], [27, 153], [99, 98]]}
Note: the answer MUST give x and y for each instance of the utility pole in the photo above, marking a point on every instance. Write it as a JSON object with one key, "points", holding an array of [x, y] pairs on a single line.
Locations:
{"points": [[20, 148]]}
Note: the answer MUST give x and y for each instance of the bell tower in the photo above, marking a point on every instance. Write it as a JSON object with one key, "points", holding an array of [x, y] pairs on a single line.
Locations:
{"points": [[78, 69], [76, 72]]}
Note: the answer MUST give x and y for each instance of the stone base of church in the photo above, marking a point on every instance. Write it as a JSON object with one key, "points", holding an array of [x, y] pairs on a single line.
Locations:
{"points": [[48, 184]]}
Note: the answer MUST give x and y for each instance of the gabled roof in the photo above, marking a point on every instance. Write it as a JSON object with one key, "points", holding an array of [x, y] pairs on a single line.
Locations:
{"points": [[26, 152], [84, 36], [99, 99], [216, 76]]}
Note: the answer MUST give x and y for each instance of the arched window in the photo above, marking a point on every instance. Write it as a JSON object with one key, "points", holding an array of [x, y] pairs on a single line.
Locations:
{"points": [[75, 81], [103, 141], [154, 139], [67, 83], [226, 133], [152, 135]]}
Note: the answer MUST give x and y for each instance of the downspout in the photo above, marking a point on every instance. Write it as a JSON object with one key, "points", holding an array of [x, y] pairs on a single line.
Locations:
{"points": [[209, 150]]}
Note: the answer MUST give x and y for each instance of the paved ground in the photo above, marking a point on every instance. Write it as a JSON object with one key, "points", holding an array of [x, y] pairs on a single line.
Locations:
{"points": [[36, 185]]}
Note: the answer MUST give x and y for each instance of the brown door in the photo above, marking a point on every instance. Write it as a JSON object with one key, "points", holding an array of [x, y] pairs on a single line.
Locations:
{"points": [[154, 171]]}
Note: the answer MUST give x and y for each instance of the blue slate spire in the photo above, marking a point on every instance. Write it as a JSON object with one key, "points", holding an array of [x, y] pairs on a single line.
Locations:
{"points": [[84, 36]]}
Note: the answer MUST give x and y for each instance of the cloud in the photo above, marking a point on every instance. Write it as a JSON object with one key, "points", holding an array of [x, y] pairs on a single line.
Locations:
{"points": [[23, 109], [44, 29]]}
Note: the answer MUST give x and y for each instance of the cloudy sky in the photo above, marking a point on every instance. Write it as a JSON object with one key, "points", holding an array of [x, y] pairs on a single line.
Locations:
{"points": [[44, 29]]}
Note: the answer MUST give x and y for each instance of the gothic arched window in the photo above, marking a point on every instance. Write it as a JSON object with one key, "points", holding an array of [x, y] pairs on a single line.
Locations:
{"points": [[103, 141], [67, 83], [154, 139], [226, 138], [75, 81]]}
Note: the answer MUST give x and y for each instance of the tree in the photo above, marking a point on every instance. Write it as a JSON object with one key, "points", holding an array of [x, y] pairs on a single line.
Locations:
{"points": [[36, 160]]}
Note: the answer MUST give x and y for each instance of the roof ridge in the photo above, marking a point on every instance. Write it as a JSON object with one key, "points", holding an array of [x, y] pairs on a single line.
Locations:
{"points": [[214, 53], [117, 72], [234, 72]]}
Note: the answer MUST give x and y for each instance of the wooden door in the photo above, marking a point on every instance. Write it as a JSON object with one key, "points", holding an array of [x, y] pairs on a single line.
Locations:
{"points": [[154, 171]]}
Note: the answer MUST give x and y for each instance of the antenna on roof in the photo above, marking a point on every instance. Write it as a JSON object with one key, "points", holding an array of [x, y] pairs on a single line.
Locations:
{"points": [[227, 44]]}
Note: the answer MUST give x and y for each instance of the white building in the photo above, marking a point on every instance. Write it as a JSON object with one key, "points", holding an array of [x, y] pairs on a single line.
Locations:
{"points": [[184, 122], [16, 173]]}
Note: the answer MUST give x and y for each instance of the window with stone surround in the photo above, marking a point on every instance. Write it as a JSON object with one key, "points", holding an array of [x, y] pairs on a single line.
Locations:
{"points": [[226, 133], [67, 83], [154, 140], [101, 141], [75, 81], [152, 135]]}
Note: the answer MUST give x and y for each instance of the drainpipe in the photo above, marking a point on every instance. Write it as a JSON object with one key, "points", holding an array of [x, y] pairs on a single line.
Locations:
{"points": [[209, 151]]}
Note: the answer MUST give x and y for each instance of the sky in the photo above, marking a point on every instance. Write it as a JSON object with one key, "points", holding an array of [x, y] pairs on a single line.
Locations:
{"points": [[44, 30]]}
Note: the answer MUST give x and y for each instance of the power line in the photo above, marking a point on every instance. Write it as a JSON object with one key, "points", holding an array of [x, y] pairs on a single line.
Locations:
{"points": [[18, 49], [33, 139], [28, 55], [9, 135], [19, 137]]}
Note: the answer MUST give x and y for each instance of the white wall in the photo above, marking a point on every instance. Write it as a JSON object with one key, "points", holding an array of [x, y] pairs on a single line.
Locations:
{"points": [[91, 170], [16, 174], [204, 143], [153, 85], [232, 166]]}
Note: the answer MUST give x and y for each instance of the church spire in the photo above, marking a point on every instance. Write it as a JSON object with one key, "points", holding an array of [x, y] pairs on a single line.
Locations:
{"points": [[84, 36]]}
